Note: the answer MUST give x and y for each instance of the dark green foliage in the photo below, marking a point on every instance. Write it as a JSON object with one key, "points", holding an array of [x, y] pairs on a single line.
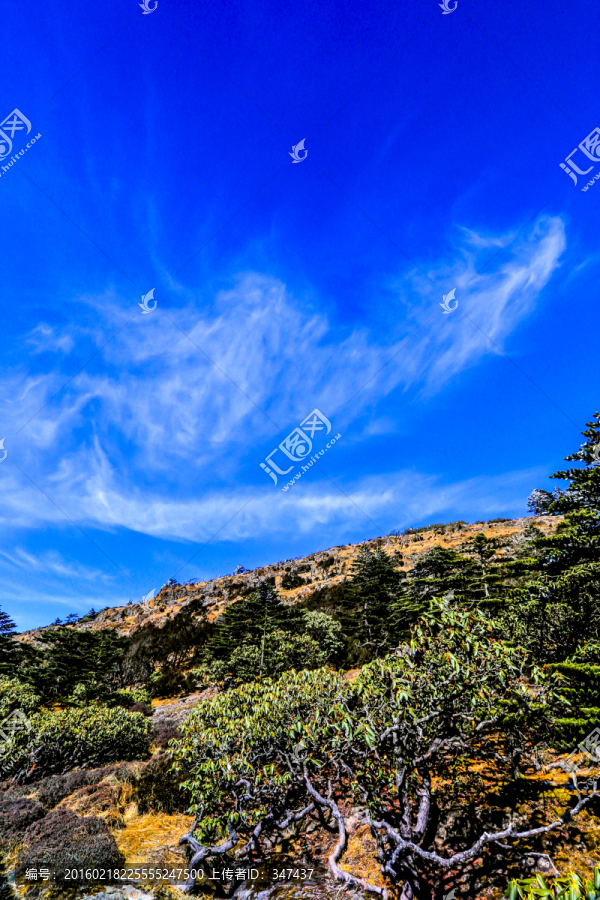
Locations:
{"points": [[69, 657], [439, 572], [261, 635], [291, 580], [581, 688], [63, 840], [556, 612], [487, 580], [247, 621], [8, 646], [89, 616], [60, 741], [372, 610]]}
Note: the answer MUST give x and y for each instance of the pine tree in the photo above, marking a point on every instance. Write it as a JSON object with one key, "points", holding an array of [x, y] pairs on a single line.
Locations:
{"points": [[560, 608], [488, 580], [439, 572], [369, 609], [8, 647], [556, 615], [249, 622], [68, 657]]}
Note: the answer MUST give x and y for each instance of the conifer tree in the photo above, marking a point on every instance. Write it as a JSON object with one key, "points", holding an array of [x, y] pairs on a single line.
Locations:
{"points": [[488, 579], [557, 614], [248, 622], [370, 605], [8, 647], [439, 572], [68, 657]]}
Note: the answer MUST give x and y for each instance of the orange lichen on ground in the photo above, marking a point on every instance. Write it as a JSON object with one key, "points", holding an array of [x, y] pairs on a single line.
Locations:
{"points": [[359, 858]]}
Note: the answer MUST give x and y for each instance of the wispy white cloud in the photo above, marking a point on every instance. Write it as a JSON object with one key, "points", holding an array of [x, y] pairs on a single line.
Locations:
{"points": [[128, 442], [491, 303], [45, 338], [52, 563]]}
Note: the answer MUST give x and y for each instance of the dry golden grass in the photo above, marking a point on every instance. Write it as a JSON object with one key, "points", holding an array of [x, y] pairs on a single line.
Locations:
{"points": [[152, 837]]}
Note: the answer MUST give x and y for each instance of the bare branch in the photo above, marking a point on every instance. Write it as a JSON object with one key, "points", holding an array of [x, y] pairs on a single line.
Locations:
{"points": [[341, 874], [408, 847]]}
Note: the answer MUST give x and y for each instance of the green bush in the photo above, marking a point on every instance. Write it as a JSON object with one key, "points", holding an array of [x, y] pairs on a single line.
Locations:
{"points": [[83, 694], [129, 698], [60, 741], [16, 695]]}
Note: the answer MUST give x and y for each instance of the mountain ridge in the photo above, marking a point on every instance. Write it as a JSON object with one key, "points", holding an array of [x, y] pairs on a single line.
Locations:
{"points": [[319, 571]]}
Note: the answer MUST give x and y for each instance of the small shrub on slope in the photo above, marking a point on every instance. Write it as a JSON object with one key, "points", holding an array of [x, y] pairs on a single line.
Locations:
{"points": [[60, 741]]}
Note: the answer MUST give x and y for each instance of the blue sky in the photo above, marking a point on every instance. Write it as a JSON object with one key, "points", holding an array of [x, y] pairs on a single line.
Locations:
{"points": [[134, 441]]}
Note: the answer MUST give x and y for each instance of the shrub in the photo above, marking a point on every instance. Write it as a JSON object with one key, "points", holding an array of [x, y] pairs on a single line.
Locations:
{"points": [[72, 738], [401, 737], [157, 788], [16, 815], [16, 695], [568, 887], [163, 732], [141, 707], [291, 580], [50, 791], [130, 698], [63, 840]]}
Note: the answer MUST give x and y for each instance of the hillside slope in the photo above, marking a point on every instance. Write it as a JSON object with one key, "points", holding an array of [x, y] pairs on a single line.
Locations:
{"points": [[319, 572]]}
